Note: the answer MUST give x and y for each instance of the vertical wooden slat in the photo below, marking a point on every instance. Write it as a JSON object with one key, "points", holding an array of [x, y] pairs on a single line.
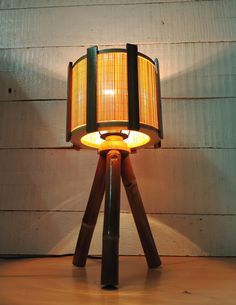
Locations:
{"points": [[91, 111], [69, 101], [133, 98], [159, 108]]}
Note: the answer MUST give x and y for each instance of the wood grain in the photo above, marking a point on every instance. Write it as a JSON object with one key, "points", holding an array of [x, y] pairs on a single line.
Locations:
{"points": [[192, 70], [187, 123], [164, 22], [19, 4], [189, 189], [200, 181], [56, 233]]}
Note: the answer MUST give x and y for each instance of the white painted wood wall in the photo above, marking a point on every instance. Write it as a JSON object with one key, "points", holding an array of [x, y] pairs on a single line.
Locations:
{"points": [[188, 186]]}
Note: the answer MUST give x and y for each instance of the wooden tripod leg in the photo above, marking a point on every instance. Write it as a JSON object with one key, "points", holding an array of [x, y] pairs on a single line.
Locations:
{"points": [[140, 218], [110, 245], [90, 215]]}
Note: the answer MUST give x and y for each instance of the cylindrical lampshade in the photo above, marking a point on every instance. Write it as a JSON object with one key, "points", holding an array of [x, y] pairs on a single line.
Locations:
{"points": [[114, 91]]}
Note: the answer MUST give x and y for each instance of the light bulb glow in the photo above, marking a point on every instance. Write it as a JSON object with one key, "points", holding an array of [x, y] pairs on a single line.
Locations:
{"points": [[135, 139], [112, 113], [109, 92]]}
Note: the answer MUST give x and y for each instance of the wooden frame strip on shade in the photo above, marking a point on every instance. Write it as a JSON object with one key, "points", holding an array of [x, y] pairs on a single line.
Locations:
{"points": [[159, 110], [133, 96], [69, 100], [91, 108]]}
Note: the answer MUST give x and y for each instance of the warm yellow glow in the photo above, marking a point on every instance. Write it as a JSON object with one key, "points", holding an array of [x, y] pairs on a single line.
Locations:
{"points": [[79, 94], [112, 87], [135, 139], [112, 90], [114, 142], [109, 92], [147, 92], [112, 99]]}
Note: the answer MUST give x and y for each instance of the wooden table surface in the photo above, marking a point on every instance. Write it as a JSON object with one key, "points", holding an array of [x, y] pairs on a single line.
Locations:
{"points": [[180, 280]]}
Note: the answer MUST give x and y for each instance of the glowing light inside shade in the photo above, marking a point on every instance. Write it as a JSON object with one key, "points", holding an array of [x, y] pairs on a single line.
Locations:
{"points": [[109, 91], [112, 100], [112, 90], [135, 139]]}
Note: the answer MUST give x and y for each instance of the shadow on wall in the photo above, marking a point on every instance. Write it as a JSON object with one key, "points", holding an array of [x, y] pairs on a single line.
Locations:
{"points": [[173, 181], [198, 70], [36, 180]]}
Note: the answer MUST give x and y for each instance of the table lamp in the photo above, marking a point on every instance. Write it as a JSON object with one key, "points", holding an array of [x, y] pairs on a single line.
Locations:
{"points": [[114, 107]]}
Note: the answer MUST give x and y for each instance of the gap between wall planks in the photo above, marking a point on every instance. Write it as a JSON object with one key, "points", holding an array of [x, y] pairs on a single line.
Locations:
{"points": [[29, 4], [192, 70], [201, 123], [192, 235], [167, 22]]}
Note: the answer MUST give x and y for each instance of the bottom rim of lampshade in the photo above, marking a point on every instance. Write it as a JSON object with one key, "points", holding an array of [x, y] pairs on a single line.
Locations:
{"points": [[149, 135]]}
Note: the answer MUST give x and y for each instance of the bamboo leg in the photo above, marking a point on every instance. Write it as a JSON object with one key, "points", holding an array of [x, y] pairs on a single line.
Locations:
{"points": [[90, 215], [110, 247], [140, 218]]}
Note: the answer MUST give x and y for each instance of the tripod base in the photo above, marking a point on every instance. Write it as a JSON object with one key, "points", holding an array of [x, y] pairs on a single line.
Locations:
{"points": [[111, 167]]}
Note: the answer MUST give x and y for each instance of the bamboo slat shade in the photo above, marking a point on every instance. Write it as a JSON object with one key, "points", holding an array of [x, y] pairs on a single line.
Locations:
{"points": [[112, 101]]}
